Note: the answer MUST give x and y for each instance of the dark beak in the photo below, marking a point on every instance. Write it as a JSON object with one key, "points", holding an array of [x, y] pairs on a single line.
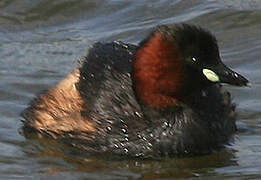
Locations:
{"points": [[228, 76]]}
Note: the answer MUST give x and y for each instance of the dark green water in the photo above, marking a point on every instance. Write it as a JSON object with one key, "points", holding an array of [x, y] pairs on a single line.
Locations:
{"points": [[40, 41]]}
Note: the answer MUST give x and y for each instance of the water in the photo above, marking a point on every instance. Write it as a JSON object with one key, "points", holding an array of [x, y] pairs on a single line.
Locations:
{"points": [[40, 41]]}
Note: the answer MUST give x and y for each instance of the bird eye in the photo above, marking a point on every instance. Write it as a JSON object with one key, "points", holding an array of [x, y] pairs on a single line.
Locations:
{"points": [[194, 59]]}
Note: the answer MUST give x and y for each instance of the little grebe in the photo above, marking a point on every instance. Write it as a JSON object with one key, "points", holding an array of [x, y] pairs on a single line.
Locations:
{"points": [[161, 98]]}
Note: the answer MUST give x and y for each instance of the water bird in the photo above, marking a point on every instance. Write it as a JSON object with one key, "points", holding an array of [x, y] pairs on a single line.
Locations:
{"points": [[160, 98]]}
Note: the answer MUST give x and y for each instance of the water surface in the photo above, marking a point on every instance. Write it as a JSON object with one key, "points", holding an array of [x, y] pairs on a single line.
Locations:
{"points": [[40, 41]]}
